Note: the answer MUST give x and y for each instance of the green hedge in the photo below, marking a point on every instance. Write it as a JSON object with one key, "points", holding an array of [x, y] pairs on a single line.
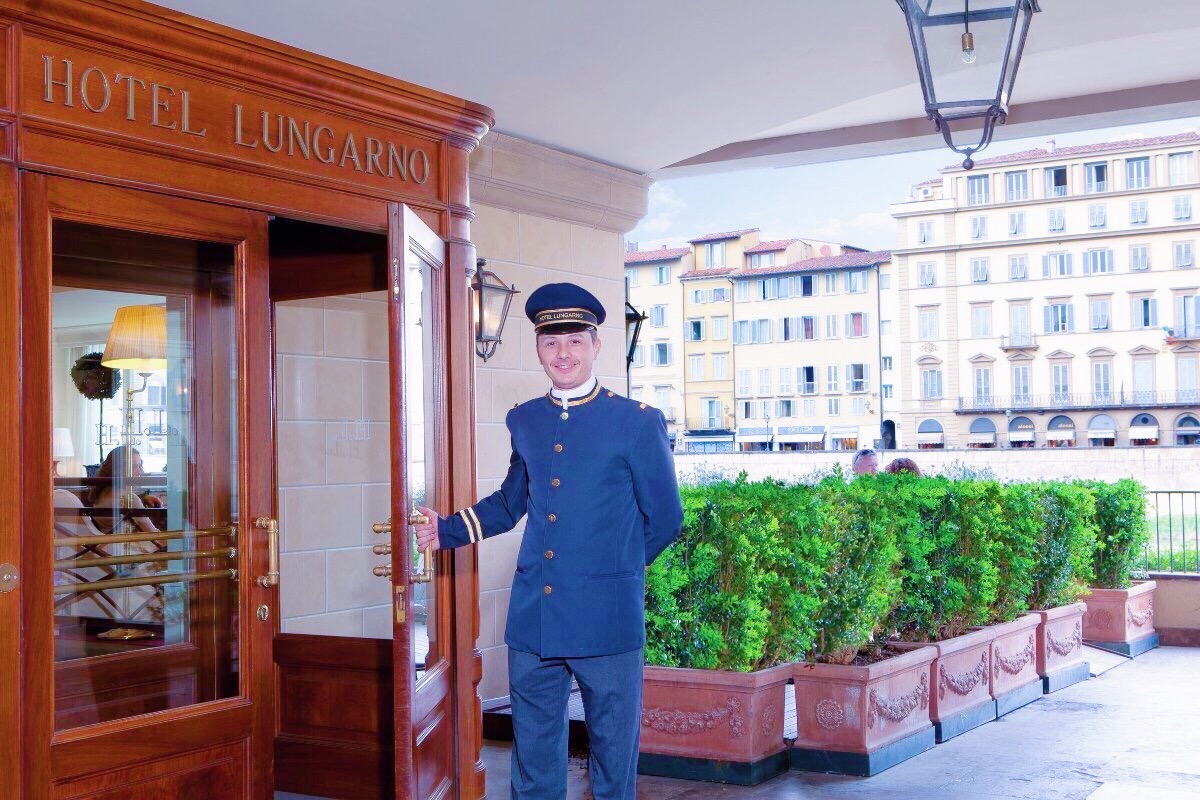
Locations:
{"points": [[766, 572]]}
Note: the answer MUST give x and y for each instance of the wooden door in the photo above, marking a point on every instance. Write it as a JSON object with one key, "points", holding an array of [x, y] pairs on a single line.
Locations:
{"points": [[426, 744], [147, 596]]}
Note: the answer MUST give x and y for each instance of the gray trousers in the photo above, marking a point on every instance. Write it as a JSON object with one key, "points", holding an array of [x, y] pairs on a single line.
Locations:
{"points": [[611, 687]]}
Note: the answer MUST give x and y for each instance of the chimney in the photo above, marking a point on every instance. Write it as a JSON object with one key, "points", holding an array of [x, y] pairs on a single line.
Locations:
{"points": [[1049, 145]]}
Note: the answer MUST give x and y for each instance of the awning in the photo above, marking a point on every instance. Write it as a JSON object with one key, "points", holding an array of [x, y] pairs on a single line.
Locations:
{"points": [[1102, 434], [755, 438], [1143, 431], [843, 433], [1060, 436], [725, 438], [814, 437], [1020, 436], [930, 438], [982, 438]]}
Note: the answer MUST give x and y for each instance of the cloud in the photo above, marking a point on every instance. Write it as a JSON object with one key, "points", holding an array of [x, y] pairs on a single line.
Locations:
{"points": [[664, 209]]}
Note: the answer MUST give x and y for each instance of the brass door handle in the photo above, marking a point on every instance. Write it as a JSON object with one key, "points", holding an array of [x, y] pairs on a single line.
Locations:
{"points": [[271, 526], [415, 517]]}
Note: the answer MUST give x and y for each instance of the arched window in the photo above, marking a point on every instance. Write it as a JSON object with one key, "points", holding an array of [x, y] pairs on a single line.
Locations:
{"points": [[982, 434], [1020, 432], [1060, 432], [1102, 431], [1187, 430], [930, 435], [1143, 431]]}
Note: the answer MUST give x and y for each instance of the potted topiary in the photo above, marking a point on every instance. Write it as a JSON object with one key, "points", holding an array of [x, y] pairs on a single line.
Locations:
{"points": [[950, 574], [861, 706], [1120, 610], [1060, 577], [728, 607]]}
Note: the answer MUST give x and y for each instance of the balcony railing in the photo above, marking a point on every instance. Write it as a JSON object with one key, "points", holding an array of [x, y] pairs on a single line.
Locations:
{"points": [[1174, 522], [708, 424], [1056, 191], [1018, 341], [1121, 399]]}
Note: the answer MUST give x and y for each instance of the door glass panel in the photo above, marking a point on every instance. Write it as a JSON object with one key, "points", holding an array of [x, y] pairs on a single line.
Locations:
{"points": [[421, 439], [144, 476], [334, 465]]}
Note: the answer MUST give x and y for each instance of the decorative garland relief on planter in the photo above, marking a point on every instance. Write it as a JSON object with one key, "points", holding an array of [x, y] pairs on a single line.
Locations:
{"points": [[768, 720], [1138, 620], [830, 715], [962, 683], [1014, 664], [687, 723], [1064, 647], [899, 709]]}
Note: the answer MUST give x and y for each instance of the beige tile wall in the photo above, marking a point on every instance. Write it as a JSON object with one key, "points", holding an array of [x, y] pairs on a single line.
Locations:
{"points": [[331, 363]]}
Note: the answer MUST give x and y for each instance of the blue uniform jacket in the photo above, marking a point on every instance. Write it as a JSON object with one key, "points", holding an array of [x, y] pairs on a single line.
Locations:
{"points": [[600, 492]]}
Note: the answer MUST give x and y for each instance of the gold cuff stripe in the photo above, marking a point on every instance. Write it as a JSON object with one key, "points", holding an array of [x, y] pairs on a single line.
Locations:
{"points": [[478, 527], [466, 518]]}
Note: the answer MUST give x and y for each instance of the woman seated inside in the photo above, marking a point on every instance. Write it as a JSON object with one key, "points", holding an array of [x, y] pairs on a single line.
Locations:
{"points": [[121, 503]]}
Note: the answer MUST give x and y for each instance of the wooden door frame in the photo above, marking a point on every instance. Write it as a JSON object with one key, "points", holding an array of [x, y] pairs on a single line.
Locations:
{"points": [[49, 755]]}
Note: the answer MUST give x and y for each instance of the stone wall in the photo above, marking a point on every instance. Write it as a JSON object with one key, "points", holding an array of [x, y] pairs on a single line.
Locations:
{"points": [[1158, 468]]}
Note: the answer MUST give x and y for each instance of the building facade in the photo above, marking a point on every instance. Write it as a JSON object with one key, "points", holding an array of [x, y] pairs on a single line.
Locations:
{"points": [[653, 289], [1049, 298], [781, 343]]}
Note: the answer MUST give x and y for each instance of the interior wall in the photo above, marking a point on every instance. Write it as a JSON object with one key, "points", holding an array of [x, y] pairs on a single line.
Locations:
{"points": [[541, 216], [333, 463]]}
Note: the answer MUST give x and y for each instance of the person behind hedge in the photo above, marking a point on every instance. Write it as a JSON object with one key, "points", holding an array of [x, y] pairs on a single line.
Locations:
{"points": [[902, 466], [866, 462], [594, 475]]}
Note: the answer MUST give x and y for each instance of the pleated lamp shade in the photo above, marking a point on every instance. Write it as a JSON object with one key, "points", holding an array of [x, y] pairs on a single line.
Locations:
{"points": [[138, 339]]}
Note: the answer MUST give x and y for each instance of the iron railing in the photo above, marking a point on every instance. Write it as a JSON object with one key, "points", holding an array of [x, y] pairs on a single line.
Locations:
{"points": [[1065, 400], [1018, 340], [1174, 541]]}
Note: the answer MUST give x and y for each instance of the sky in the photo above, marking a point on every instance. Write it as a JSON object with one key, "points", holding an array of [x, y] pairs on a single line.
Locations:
{"points": [[843, 201]]}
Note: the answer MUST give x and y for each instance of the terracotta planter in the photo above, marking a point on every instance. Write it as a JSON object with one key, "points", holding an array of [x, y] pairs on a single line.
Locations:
{"points": [[862, 720], [1015, 678], [1121, 620], [714, 725], [960, 683], [1060, 647]]}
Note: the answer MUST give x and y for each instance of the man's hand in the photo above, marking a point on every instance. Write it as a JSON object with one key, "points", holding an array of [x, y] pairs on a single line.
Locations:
{"points": [[427, 532]]}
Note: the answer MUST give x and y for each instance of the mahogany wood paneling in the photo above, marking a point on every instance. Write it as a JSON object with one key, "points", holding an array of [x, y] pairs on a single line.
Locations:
{"points": [[178, 672], [208, 157], [11, 472], [155, 108], [402, 680], [310, 260], [460, 402], [181, 175], [215, 772], [103, 688], [335, 716]]}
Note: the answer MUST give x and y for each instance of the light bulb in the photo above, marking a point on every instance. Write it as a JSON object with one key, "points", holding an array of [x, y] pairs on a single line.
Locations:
{"points": [[968, 48]]}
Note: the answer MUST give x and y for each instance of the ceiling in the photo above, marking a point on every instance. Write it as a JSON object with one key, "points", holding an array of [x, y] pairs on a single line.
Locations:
{"points": [[674, 87]]}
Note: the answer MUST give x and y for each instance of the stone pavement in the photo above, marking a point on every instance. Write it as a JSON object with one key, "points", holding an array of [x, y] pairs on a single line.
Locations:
{"points": [[1133, 733]]}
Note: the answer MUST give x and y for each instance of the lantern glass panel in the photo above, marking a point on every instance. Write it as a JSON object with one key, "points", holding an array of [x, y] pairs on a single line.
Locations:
{"points": [[974, 85], [495, 299]]}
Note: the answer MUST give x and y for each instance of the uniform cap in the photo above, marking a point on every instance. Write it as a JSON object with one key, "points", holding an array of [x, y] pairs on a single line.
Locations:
{"points": [[563, 308]]}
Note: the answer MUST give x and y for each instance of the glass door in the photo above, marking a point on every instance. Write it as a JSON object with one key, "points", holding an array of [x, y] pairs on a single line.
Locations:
{"points": [[426, 746], [147, 634]]}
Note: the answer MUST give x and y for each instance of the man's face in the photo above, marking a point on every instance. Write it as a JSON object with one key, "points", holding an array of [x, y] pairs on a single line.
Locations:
{"points": [[867, 465], [567, 357]]}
